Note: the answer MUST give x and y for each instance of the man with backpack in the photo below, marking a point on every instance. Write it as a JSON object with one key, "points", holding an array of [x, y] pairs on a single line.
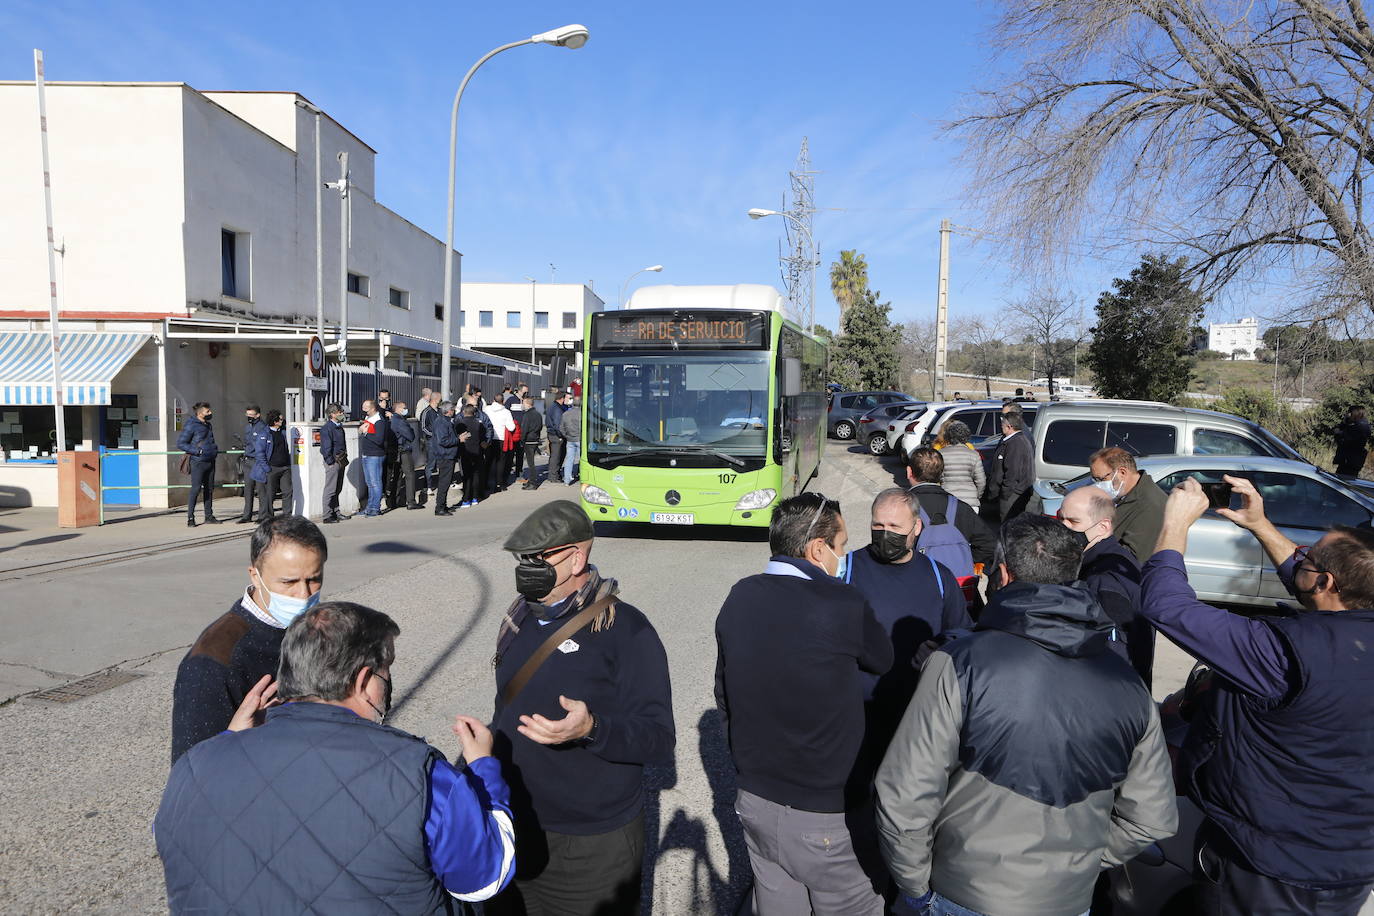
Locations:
{"points": [[942, 511]]}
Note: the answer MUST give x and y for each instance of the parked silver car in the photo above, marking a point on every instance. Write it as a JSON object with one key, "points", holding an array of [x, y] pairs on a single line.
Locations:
{"points": [[1225, 563], [842, 415]]}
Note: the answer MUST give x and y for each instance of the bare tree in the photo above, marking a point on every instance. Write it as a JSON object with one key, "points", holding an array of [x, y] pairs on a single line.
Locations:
{"points": [[1053, 324], [984, 345], [917, 352], [1238, 134]]}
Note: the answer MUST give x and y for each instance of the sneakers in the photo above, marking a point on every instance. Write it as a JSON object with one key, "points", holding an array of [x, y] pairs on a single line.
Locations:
{"points": [[211, 520]]}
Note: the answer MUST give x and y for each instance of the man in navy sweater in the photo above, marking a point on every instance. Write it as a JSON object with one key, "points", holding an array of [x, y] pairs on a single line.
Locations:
{"points": [[1280, 754], [197, 440], [574, 741], [285, 573], [334, 453], [792, 646]]}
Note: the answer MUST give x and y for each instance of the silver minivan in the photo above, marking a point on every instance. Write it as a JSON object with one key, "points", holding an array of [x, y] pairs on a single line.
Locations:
{"points": [[1066, 433]]}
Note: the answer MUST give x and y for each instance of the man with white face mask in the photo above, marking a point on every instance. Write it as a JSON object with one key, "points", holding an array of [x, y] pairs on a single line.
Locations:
{"points": [[285, 574], [1139, 500]]}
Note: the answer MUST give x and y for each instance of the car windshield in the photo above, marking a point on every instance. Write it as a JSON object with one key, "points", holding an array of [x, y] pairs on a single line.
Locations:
{"points": [[708, 401]]}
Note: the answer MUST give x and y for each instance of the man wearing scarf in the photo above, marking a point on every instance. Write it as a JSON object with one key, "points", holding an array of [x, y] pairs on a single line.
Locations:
{"points": [[575, 738]]}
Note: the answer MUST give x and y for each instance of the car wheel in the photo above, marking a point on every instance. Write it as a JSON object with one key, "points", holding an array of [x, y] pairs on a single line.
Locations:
{"points": [[877, 444], [844, 430]]}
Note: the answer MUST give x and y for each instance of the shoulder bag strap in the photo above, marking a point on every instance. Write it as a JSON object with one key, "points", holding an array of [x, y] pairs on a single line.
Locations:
{"points": [[533, 663]]}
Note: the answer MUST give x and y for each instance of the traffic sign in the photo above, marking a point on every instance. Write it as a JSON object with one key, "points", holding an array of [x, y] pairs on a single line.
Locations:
{"points": [[316, 357]]}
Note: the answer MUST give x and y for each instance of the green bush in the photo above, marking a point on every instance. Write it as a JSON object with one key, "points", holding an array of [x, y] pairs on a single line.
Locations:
{"points": [[1206, 355]]}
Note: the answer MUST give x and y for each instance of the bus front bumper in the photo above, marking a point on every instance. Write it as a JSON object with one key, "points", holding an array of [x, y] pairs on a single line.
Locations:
{"points": [[689, 511]]}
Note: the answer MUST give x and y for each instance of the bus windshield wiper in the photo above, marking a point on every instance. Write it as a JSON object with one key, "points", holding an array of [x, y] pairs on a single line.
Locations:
{"points": [[689, 450]]}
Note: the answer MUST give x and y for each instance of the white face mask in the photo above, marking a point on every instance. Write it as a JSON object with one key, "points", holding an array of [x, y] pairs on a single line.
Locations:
{"points": [[839, 563], [403, 411], [1109, 486], [284, 608]]}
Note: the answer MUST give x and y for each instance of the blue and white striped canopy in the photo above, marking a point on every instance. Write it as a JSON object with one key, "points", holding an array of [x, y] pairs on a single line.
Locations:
{"points": [[89, 363]]}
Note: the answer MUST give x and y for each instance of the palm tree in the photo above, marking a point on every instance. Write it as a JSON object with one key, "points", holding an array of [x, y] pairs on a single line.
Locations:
{"points": [[848, 279]]}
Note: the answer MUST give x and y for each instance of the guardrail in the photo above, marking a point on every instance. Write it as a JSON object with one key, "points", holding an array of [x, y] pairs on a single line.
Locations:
{"points": [[170, 486]]}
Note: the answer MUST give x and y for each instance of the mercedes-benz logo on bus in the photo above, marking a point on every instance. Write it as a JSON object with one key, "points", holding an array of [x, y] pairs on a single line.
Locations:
{"points": [[672, 497]]}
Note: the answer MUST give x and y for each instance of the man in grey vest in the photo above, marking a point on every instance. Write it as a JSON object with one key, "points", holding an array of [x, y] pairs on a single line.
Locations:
{"points": [[325, 810]]}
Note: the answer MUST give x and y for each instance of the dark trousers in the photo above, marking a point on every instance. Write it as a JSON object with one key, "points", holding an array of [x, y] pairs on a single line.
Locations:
{"points": [[1227, 888], [442, 478], [278, 481], [556, 446], [403, 486], [202, 485], [491, 468], [472, 476], [250, 489], [561, 875], [390, 471], [333, 483], [529, 453]]}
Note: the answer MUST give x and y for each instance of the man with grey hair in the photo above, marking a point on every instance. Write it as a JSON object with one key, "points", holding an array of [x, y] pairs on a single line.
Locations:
{"points": [[792, 647], [323, 808], [334, 453], [443, 452], [1031, 756], [1013, 471], [1112, 574]]}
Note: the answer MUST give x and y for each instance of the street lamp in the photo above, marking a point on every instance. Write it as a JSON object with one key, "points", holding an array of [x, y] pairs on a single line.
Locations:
{"points": [[569, 36], [760, 213], [533, 320], [657, 268]]}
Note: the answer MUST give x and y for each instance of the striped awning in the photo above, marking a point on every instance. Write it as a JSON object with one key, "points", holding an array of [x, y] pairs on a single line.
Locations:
{"points": [[89, 363]]}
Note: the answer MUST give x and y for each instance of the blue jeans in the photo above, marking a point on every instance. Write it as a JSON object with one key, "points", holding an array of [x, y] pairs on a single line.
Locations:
{"points": [[943, 906], [372, 477], [570, 461]]}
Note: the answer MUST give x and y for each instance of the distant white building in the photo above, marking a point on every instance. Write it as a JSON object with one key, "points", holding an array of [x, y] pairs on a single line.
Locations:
{"points": [[513, 319], [1234, 337]]}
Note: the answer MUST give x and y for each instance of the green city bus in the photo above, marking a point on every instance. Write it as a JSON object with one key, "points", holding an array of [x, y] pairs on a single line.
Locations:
{"points": [[701, 405]]}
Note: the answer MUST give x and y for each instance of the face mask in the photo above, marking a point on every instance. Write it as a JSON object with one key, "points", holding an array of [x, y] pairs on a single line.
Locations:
{"points": [[403, 411], [840, 562], [386, 700], [207, 417], [283, 608], [1108, 486], [888, 546], [535, 578]]}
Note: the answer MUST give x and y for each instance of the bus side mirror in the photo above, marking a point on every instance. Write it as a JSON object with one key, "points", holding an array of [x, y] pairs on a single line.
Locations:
{"points": [[791, 378]]}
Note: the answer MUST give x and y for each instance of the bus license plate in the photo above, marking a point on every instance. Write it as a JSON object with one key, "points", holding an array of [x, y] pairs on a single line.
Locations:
{"points": [[672, 518]]}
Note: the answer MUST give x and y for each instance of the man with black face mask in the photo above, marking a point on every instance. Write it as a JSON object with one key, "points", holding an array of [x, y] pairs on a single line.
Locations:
{"points": [[582, 703]]}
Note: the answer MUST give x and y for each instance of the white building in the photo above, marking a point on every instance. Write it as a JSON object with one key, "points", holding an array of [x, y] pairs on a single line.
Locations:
{"points": [[185, 222], [1230, 337], [496, 317]]}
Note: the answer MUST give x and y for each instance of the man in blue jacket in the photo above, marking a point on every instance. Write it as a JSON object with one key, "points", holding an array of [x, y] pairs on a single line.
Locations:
{"points": [[334, 453], [324, 809], [197, 440], [405, 457], [556, 444], [444, 443], [253, 430], [1280, 753]]}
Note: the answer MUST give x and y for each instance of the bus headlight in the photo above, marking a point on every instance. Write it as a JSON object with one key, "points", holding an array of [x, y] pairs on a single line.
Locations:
{"points": [[756, 499], [597, 496]]}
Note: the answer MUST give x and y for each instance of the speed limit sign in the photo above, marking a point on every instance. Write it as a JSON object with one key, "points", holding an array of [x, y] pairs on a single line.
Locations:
{"points": [[316, 356]]}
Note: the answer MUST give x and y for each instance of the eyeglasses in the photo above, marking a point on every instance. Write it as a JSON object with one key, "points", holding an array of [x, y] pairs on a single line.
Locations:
{"points": [[817, 517], [544, 555], [1304, 555]]}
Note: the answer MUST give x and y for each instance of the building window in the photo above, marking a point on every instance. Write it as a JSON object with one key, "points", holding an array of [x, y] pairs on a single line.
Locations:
{"points": [[235, 259], [484, 319], [512, 319], [541, 320], [357, 283], [438, 311], [398, 297], [462, 318], [569, 320]]}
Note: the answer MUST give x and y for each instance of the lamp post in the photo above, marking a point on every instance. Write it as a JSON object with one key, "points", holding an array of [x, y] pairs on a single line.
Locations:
{"points": [[533, 322], [760, 213], [657, 268], [569, 36]]}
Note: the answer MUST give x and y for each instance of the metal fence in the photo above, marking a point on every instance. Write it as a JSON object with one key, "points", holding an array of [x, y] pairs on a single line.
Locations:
{"points": [[349, 385], [106, 456]]}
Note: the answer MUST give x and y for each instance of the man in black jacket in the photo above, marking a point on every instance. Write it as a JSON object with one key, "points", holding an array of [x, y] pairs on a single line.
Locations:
{"points": [[253, 429], [1112, 574], [474, 434], [531, 428], [552, 424], [574, 740], [791, 644], [197, 440], [1013, 471], [925, 468], [444, 444], [286, 558], [334, 453], [403, 488], [277, 454]]}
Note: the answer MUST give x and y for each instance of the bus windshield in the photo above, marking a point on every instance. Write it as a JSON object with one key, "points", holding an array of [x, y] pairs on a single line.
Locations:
{"points": [[708, 401]]}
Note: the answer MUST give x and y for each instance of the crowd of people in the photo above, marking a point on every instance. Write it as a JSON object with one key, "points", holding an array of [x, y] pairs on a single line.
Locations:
{"points": [[482, 445], [900, 746]]}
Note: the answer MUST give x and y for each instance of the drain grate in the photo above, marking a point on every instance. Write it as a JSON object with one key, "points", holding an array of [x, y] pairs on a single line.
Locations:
{"points": [[87, 686]]}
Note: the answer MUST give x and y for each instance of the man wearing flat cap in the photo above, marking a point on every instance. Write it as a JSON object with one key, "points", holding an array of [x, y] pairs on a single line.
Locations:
{"points": [[583, 702]]}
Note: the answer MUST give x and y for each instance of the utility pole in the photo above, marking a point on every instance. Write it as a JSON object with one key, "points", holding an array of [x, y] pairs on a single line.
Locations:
{"points": [[552, 272], [345, 205], [54, 333], [942, 311]]}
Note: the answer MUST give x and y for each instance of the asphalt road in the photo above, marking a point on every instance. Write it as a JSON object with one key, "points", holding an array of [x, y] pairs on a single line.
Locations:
{"points": [[80, 782]]}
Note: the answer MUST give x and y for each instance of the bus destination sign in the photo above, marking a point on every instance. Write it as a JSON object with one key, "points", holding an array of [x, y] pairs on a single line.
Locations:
{"points": [[680, 331]]}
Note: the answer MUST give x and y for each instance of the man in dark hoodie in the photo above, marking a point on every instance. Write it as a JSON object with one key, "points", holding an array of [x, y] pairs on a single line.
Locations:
{"points": [[1112, 574], [1031, 756], [470, 454]]}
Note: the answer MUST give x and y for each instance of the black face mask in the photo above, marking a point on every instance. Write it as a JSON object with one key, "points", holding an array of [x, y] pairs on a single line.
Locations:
{"points": [[888, 546], [535, 578]]}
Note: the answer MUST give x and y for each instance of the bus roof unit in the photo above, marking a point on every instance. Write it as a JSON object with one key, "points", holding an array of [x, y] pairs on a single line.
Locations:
{"points": [[755, 297]]}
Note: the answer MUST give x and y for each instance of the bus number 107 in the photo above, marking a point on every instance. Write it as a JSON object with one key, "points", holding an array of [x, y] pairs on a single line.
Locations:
{"points": [[728, 478]]}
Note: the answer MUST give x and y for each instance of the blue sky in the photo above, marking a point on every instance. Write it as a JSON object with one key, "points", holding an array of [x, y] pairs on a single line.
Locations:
{"points": [[646, 146]]}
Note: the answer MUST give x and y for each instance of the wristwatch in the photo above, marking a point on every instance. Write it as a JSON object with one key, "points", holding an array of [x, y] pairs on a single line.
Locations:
{"points": [[591, 735]]}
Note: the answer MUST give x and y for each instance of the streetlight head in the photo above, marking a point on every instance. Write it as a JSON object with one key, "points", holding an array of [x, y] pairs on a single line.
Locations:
{"points": [[569, 36], [657, 268], [760, 213]]}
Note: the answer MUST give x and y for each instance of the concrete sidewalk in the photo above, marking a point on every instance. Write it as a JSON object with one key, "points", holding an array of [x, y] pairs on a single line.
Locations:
{"points": [[30, 539]]}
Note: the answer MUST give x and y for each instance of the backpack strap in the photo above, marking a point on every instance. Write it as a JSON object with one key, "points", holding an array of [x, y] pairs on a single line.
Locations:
{"points": [[939, 579], [849, 567], [952, 509]]}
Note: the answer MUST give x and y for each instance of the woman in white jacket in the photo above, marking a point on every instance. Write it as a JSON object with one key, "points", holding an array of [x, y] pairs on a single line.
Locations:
{"points": [[499, 462]]}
